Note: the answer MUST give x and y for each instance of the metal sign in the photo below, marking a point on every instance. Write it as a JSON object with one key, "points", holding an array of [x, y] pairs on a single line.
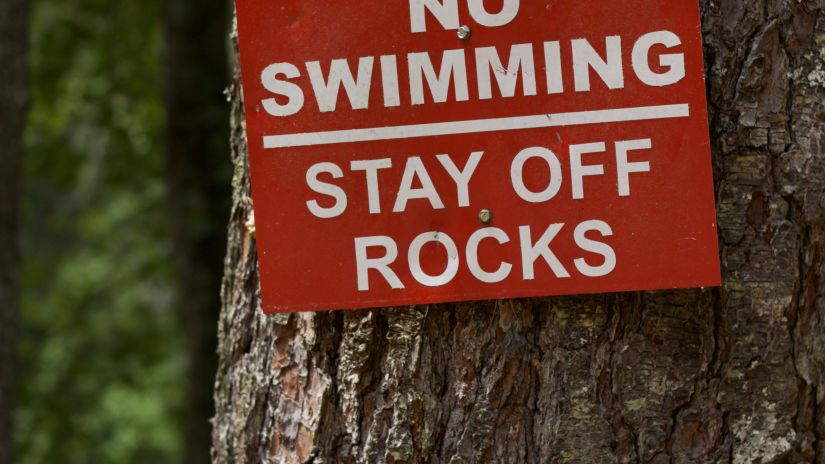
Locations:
{"points": [[421, 151]]}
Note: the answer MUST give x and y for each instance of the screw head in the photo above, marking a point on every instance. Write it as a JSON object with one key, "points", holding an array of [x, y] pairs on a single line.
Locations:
{"points": [[464, 33], [485, 216]]}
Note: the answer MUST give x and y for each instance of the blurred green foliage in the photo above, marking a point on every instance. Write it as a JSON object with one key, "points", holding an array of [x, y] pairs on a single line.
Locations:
{"points": [[101, 348]]}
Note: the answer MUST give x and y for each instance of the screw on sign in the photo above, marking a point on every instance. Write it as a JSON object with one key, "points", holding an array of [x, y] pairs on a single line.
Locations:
{"points": [[430, 151]]}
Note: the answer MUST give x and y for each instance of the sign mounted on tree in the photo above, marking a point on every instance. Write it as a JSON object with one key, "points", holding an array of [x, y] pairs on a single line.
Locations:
{"points": [[443, 150]]}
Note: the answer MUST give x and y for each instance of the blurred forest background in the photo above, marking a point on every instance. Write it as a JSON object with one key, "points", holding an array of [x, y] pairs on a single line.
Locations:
{"points": [[125, 197]]}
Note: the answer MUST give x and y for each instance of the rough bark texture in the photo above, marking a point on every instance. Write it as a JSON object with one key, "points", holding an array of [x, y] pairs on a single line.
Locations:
{"points": [[14, 22], [734, 375], [196, 75]]}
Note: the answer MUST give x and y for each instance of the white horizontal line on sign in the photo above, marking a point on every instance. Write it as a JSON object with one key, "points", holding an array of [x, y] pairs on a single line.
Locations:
{"points": [[642, 113]]}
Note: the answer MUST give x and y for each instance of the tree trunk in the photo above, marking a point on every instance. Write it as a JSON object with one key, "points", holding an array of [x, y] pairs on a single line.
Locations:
{"points": [[197, 173], [14, 22], [734, 375]]}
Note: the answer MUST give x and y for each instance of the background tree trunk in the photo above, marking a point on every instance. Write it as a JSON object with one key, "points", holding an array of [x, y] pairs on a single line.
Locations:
{"points": [[198, 172], [735, 375], [14, 22]]}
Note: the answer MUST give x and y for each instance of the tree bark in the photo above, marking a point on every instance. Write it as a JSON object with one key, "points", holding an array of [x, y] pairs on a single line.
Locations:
{"points": [[14, 21], [731, 375], [197, 174]]}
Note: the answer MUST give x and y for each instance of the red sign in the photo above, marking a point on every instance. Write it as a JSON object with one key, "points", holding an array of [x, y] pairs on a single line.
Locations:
{"points": [[420, 151]]}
